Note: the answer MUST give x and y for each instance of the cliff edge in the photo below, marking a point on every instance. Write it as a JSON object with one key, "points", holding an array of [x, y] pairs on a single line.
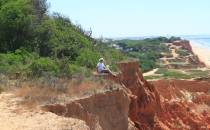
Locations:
{"points": [[139, 104]]}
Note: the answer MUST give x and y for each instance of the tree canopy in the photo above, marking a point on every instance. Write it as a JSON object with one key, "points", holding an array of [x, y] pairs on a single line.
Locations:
{"points": [[54, 43]]}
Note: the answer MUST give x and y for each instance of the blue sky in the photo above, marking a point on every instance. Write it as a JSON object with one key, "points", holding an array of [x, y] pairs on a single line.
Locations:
{"points": [[131, 18]]}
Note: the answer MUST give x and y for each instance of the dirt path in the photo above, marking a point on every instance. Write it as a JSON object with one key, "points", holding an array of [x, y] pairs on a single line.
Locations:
{"points": [[165, 60], [16, 117], [152, 72], [175, 55]]}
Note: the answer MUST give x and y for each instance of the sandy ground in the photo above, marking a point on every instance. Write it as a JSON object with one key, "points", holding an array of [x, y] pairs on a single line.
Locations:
{"points": [[175, 55], [152, 72], [202, 53], [16, 117]]}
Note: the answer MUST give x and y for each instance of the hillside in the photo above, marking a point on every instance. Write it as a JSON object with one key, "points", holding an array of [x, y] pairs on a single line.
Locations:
{"points": [[164, 58], [48, 78], [35, 43], [147, 50], [128, 103]]}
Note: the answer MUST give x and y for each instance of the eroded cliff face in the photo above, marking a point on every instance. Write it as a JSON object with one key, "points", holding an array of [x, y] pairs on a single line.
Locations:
{"points": [[185, 44], [186, 104], [145, 100], [143, 105], [193, 60], [102, 111], [132, 106]]}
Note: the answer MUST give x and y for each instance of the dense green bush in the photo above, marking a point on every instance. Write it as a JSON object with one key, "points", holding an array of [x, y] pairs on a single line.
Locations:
{"points": [[17, 24], [44, 65], [69, 69], [15, 62], [87, 58], [75, 70], [26, 24], [36, 43]]}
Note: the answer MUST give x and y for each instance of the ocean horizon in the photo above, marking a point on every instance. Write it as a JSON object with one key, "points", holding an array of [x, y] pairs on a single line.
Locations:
{"points": [[203, 42], [201, 47]]}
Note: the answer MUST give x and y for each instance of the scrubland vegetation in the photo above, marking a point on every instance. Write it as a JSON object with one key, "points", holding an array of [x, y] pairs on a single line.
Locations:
{"points": [[34, 43], [148, 50], [164, 73]]}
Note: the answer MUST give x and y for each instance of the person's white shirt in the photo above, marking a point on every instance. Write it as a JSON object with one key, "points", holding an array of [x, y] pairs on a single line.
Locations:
{"points": [[100, 66]]}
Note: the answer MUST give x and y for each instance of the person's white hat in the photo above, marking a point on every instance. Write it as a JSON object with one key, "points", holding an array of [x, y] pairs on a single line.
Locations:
{"points": [[101, 59]]}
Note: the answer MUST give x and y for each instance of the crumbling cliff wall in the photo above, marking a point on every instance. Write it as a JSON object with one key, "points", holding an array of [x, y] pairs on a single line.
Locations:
{"points": [[185, 44], [139, 104], [185, 104], [102, 111], [145, 100]]}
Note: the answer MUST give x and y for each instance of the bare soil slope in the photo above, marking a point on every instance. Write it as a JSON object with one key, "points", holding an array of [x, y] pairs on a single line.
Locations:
{"points": [[16, 117]]}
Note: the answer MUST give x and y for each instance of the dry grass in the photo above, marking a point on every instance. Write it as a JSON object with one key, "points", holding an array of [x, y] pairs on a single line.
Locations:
{"points": [[36, 94], [33, 96]]}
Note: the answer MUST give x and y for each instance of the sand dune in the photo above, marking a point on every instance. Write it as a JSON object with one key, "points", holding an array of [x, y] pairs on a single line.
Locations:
{"points": [[202, 53]]}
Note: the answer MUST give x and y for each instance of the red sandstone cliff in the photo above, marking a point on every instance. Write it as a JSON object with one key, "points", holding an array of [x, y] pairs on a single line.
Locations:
{"points": [[145, 100], [185, 44], [103, 111], [194, 60], [185, 104], [137, 104]]}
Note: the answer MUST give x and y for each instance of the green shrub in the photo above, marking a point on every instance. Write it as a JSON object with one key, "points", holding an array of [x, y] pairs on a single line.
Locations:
{"points": [[15, 62], [147, 60], [55, 46], [174, 74], [44, 65], [199, 73], [71, 70], [88, 58], [182, 52]]}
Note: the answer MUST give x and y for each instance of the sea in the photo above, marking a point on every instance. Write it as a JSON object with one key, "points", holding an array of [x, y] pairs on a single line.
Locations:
{"points": [[200, 41]]}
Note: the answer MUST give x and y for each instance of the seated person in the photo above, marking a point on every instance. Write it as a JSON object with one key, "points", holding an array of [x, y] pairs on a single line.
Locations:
{"points": [[101, 68]]}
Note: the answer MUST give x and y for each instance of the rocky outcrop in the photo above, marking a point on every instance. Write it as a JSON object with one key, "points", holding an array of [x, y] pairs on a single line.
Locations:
{"points": [[102, 111], [145, 100], [139, 104], [185, 104], [133, 106], [184, 44], [182, 56], [171, 89]]}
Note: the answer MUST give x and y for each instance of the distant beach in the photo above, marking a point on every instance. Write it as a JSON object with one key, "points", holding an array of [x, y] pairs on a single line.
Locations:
{"points": [[202, 50]]}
